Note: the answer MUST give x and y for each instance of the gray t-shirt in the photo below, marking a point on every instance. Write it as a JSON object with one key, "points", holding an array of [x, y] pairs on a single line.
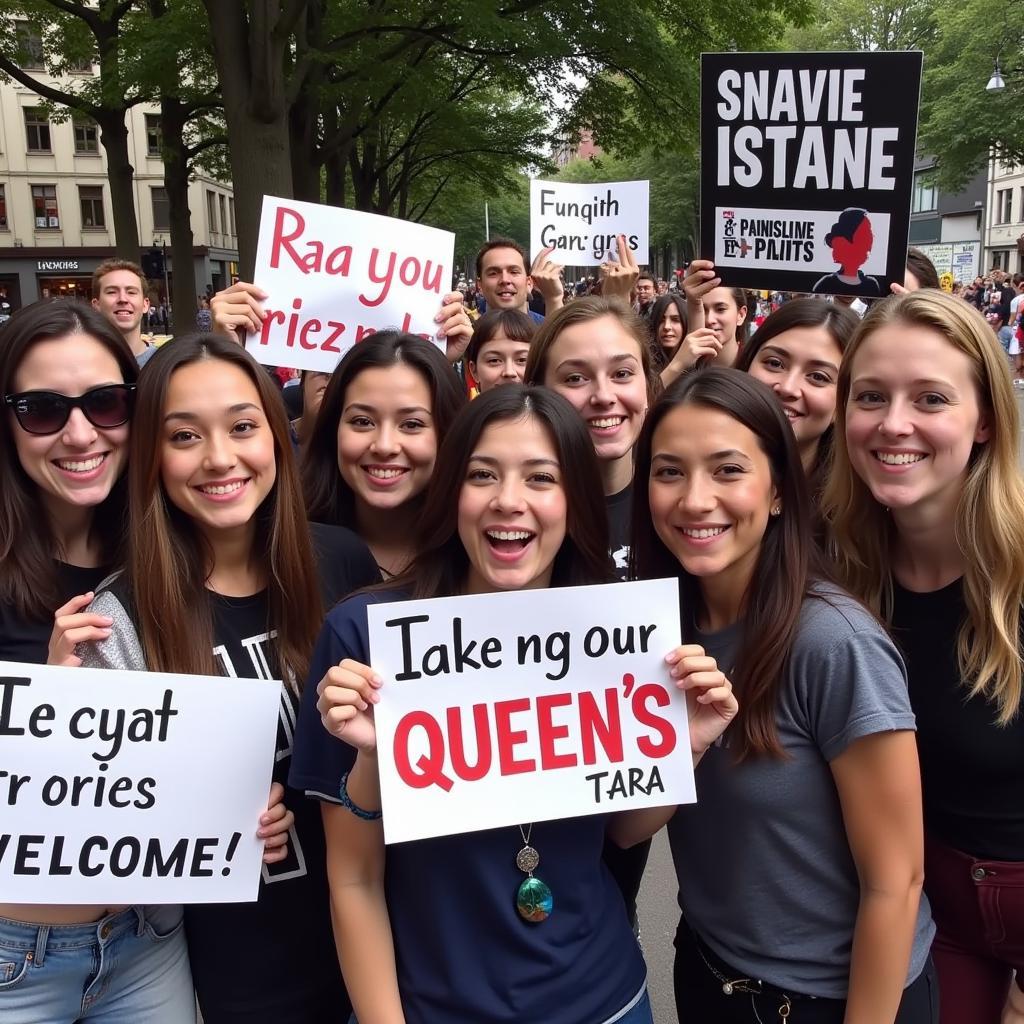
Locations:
{"points": [[766, 877]]}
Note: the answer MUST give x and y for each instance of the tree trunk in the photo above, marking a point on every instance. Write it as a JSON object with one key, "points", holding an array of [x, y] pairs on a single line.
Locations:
{"points": [[175, 152], [249, 61], [120, 175]]}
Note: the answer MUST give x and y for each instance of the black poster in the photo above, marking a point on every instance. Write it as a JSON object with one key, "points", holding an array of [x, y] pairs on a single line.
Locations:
{"points": [[807, 168]]}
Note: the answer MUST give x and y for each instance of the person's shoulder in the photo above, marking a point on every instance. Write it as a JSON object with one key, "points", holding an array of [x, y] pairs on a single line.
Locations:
{"points": [[352, 611], [536, 317], [330, 541], [829, 615]]}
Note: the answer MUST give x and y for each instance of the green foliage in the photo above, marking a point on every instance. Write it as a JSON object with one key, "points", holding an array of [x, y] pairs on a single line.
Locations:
{"points": [[868, 25], [961, 122]]}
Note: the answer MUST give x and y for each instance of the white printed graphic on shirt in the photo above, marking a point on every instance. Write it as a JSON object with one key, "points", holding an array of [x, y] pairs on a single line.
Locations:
{"points": [[257, 647]]}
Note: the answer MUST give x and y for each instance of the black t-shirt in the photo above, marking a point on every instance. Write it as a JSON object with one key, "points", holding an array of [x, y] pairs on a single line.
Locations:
{"points": [[620, 523], [274, 961], [972, 769], [27, 640]]}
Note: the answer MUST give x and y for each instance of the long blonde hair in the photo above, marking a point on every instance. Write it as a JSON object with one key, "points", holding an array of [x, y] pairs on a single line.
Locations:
{"points": [[988, 516]]}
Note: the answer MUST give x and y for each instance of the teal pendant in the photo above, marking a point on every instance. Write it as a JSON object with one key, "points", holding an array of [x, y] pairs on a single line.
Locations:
{"points": [[534, 900]]}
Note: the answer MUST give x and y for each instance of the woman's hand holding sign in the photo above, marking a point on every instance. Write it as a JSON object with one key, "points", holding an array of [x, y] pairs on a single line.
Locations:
{"points": [[74, 625], [346, 696], [275, 823], [710, 702]]}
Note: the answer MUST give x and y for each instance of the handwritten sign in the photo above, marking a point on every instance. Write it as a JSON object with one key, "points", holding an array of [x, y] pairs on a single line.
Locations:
{"points": [[528, 706], [807, 168], [582, 222], [335, 276], [132, 787]]}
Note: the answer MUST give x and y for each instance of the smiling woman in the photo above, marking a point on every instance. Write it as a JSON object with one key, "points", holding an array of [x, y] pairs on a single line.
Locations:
{"points": [[820, 769], [371, 451], [67, 381], [222, 578], [526, 514]]}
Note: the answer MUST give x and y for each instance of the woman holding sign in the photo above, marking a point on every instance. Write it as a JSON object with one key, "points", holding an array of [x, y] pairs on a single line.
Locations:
{"points": [[926, 500], [457, 929], [68, 383], [371, 452], [222, 578], [800, 867]]}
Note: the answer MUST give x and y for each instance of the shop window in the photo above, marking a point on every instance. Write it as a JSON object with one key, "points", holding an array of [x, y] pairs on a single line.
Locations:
{"points": [[91, 199], [44, 206], [37, 130]]}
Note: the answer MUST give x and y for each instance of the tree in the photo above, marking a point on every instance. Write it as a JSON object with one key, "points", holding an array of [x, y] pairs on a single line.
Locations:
{"points": [[961, 122], [868, 25], [74, 36], [190, 126], [605, 66]]}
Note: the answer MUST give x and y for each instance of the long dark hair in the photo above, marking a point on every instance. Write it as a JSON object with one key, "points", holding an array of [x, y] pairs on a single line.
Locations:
{"points": [[328, 498], [441, 565], [787, 560], [662, 357], [28, 545], [840, 322], [169, 560]]}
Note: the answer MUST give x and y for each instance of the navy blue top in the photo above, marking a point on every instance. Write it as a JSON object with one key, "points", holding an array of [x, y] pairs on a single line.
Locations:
{"points": [[464, 954]]}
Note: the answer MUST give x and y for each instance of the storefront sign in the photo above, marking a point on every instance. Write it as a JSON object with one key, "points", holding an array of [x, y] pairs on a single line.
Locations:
{"points": [[57, 265]]}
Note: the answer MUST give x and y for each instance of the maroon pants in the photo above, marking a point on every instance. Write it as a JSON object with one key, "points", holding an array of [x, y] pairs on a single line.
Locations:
{"points": [[978, 906]]}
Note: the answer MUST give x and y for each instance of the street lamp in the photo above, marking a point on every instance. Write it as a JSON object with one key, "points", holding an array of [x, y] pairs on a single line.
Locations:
{"points": [[996, 83]]}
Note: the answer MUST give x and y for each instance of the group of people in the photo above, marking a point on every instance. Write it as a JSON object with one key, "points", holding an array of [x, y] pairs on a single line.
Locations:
{"points": [[839, 500]]}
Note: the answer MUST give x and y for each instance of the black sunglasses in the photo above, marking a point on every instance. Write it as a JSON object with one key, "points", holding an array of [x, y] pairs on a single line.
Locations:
{"points": [[47, 412]]}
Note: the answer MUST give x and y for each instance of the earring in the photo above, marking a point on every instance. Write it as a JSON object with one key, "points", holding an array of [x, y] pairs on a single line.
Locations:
{"points": [[777, 511]]}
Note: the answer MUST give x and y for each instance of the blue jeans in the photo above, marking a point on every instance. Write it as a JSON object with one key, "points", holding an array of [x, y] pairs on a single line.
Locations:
{"points": [[640, 1014], [127, 968]]}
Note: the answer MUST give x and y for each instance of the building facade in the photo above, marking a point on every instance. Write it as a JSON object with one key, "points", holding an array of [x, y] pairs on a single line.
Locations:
{"points": [[947, 228], [1004, 232], [56, 221]]}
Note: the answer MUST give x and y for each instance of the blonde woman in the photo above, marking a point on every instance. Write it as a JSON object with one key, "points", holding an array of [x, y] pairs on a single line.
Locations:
{"points": [[926, 501]]}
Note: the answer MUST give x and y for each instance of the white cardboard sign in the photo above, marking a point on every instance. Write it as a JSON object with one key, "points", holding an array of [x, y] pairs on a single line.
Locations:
{"points": [[132, 787], [335, 276], [582, 222], [528, 706]]}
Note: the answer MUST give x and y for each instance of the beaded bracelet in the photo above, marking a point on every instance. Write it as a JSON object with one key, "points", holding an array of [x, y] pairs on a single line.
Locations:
{"points": [[346, 802]]}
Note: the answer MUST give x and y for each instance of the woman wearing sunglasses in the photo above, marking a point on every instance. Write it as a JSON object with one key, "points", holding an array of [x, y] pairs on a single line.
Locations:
{"points": [[67, 382]]}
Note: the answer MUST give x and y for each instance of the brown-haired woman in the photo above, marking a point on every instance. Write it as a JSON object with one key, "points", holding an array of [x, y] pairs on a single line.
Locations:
{"points": [[797, 352], [800, 868], [67, 379], [371, 452], [431, 933], [499, 348], [221, 578]]}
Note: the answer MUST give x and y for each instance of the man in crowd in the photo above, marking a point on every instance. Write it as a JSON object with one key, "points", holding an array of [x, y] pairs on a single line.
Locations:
{"points": [[646, 294], [505, 284], [119, 293]]}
